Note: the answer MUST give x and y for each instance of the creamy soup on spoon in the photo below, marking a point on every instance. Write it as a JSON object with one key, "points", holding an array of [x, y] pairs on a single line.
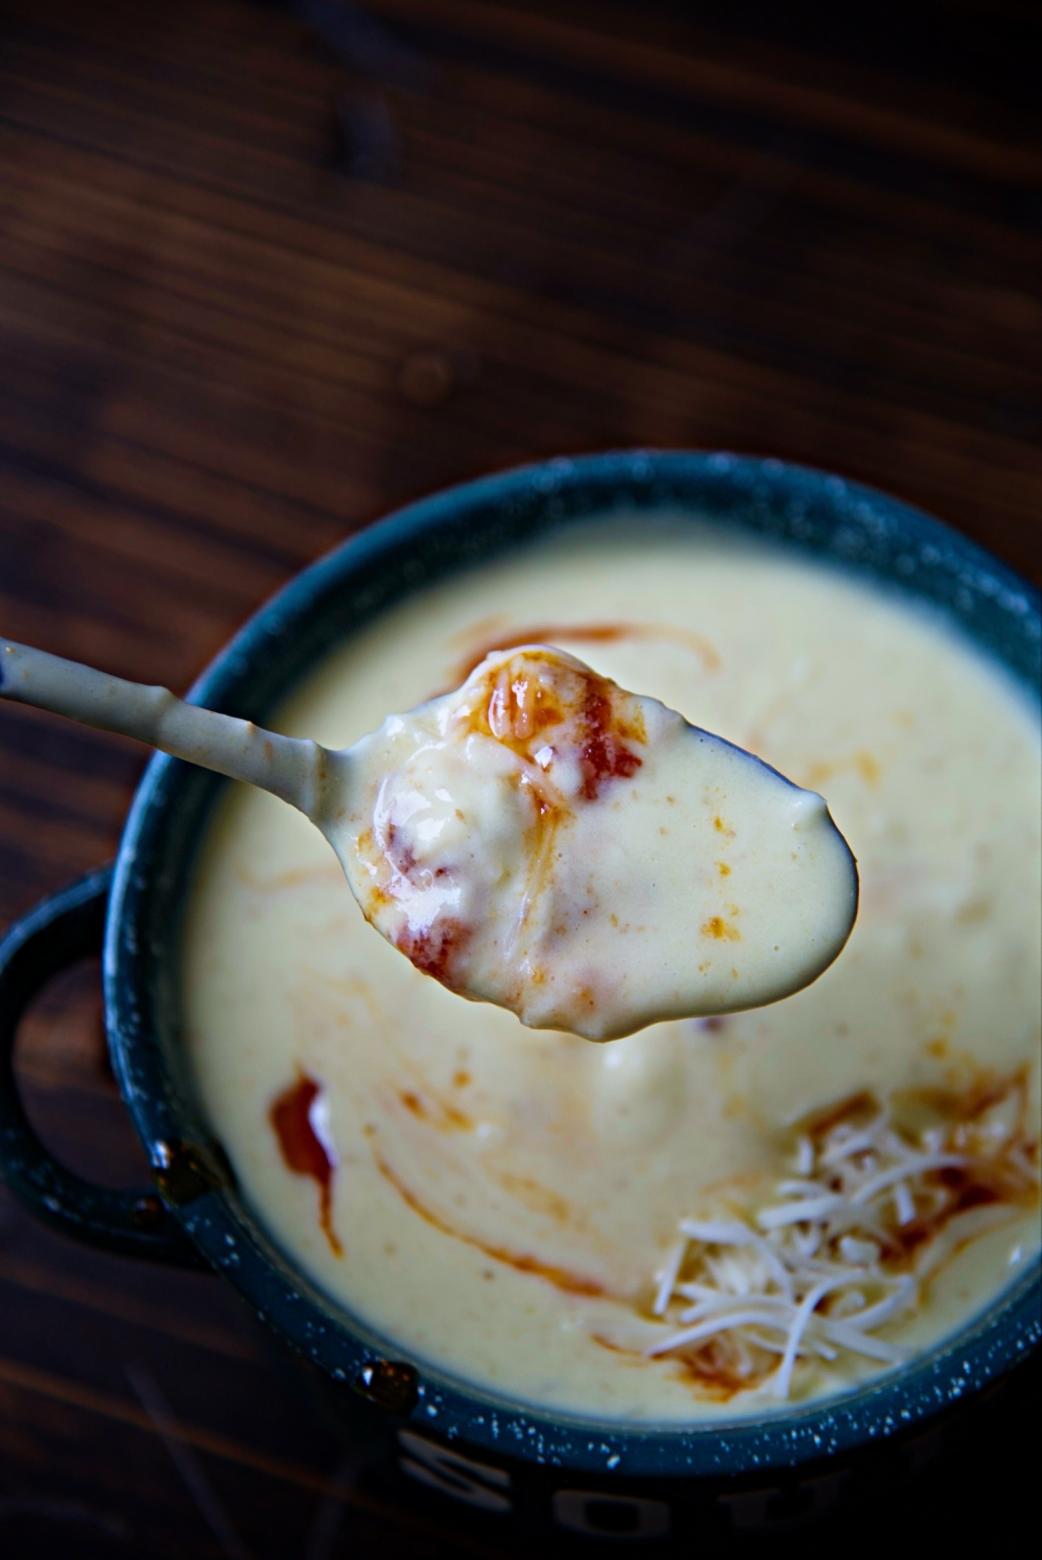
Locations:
{"points": [[711, 1215], [545, 840]]}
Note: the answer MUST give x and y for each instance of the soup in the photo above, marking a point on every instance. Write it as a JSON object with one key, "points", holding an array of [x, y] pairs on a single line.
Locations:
{"points": [[706, 1217], [545, 840]]}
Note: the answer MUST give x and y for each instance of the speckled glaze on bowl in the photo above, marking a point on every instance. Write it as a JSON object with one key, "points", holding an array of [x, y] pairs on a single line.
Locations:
{"points": [[857, 529]]}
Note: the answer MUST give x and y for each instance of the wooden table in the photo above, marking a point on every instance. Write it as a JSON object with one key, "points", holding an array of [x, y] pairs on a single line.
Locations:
{"points": [[262, 280]]}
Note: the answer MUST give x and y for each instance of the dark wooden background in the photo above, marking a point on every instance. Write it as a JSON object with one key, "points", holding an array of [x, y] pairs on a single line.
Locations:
{"points": [[266, 272]]}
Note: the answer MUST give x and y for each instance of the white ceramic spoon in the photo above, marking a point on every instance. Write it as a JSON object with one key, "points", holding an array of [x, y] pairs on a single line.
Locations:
{"points": [[538, 838]]}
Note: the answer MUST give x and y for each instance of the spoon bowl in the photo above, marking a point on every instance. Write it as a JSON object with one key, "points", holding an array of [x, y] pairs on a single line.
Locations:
{"points": [[583, 856]]}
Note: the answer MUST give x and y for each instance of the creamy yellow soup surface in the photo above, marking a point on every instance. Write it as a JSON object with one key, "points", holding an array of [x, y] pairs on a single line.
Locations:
{"points": [[506, 1203]]}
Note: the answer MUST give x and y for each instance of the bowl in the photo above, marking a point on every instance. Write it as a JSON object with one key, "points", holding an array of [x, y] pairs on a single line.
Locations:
{"points": [[497, 1456]]}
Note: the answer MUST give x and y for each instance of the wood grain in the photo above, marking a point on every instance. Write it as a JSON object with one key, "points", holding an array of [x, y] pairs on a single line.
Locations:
{"points": [[261, 281]]}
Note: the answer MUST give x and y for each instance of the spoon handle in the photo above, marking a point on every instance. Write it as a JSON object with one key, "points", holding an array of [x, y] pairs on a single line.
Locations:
{"points": [[292, 769]]}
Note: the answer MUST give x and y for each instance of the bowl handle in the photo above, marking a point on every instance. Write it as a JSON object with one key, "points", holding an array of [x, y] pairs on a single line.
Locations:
{"points": [[61, 929]]}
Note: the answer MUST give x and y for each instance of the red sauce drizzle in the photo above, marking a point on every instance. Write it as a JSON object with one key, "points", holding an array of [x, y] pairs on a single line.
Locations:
{"points": [[605, 719], [436, 948], [303, 1150], [591, 633], [602, 755], [561, 1278], [400, 856], [443, 1115]]}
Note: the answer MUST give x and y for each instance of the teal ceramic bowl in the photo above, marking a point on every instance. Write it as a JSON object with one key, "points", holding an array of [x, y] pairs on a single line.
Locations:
{"points": [[492, 1453]]}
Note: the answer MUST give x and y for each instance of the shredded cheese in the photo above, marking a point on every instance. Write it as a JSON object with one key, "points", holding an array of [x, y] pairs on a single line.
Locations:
{"points": [[866, 1210]]}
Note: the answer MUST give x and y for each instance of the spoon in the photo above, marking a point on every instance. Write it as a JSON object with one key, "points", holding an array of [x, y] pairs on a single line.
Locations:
{"points": [[539, 838]]}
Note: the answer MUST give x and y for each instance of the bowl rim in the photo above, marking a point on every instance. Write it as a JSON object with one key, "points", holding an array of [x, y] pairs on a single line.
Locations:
{"points": [[447, 1405]]}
